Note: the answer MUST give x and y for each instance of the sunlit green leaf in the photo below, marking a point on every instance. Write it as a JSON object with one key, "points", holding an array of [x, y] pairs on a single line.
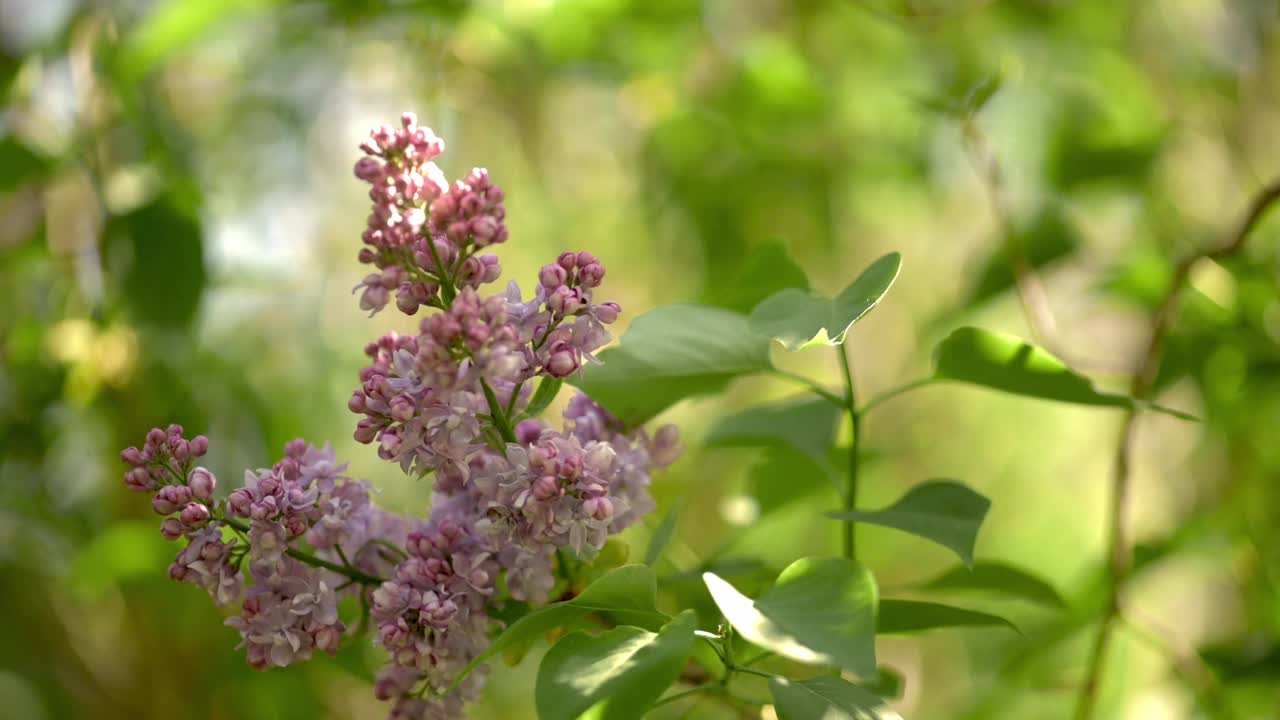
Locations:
{"points": [[820, 611], [617, 674], [671, 353], [628, 594], [807, 425], [910, 616], [1007, 363], [1000, 578], [800, 319], [944, 511], [826, 698]]}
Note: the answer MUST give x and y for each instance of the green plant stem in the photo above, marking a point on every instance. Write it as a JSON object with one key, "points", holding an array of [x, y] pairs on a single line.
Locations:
{"points": [[1143, 383], [855, 420], [711, 688], [822, 392], [893, 393], [307, 558]]}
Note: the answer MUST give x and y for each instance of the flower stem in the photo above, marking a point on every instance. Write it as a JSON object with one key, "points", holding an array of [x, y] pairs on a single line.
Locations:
{"points": [[308, 559], [855, 420], [822, 392], [500, 421]]}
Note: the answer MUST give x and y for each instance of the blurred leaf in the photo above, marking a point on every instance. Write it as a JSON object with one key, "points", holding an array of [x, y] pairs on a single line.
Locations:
{"points": [[944, 511], [996, 577], [614, 554], [767, 269], [1050, 237], [910, 616], [166, 276], [628, 593], [618, 673], [123, 552], [888, 683], [1075, 161], [828, 698], [20, 164], [807, 425], [173, 26], [1007, 363], [820, 611], [800, 319], [662, 536], [982, 93], [785, 475], [548, 388], [671, 353]]}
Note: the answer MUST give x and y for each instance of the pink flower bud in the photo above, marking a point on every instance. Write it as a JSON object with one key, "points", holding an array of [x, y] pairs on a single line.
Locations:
{"points": [[546, 488], [562, 364], [194, 514], [591, 275], [600, 508], [241, 501], [567, 260], [171, 529], [132, 456], [170, 498], [528, 432], [156, 437], [357, 403], [199, 446], [368, 169], [180, 449], [139, 480], [552, 276], [202, 482], [366, 431]]}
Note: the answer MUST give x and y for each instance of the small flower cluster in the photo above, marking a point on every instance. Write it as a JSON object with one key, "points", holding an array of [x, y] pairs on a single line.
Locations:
{"points": [[510, 491], [290, 609]]}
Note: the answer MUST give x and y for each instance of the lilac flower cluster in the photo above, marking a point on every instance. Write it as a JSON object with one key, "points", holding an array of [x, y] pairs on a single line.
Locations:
{"points": [[453, 400], [290, 609]]}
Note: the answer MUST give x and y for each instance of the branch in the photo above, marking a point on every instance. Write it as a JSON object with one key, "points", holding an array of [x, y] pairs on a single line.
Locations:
{"points": [[1143, 382]]}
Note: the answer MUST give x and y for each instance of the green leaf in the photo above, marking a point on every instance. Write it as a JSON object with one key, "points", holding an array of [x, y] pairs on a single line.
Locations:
{"points": [[166, 275], [827, 698], [910, 616], [944, 511], [998, 578], [889, 682], [800, 319], [820, 611], [619, 673], [662, 536], [766, 269], [628, 594], [20, 164], [548, 388], [784, 476], [1007, 363], [671, 353], [807, 425]]}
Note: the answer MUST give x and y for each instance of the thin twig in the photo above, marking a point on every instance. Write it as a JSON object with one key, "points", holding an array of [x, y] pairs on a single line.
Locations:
{"points": [[855, 419], [1143, 382]]}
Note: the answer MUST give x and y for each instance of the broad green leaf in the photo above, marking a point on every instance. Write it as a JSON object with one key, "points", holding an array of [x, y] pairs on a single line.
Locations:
{"points": [[800, 319], [662, 536], [628, 594], [671, 353], [166, 274], [615, 553], [998, 578], [1007, 363], [617, 674], [807, 425], [784, 476], [548, 388], [820, 611], [910, 616], [765, 270], [826, 698], [943, 511]]}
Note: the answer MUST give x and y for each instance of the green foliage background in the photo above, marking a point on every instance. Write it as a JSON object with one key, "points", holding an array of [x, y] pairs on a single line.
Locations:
{"points": [[178, 227]]}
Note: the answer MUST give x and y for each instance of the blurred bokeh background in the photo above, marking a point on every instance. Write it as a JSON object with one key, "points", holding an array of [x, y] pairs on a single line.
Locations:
{"points": [[179, 224]]}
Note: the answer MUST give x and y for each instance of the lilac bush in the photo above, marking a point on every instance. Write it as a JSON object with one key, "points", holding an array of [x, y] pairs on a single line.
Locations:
{"points": [[457, 401]]}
